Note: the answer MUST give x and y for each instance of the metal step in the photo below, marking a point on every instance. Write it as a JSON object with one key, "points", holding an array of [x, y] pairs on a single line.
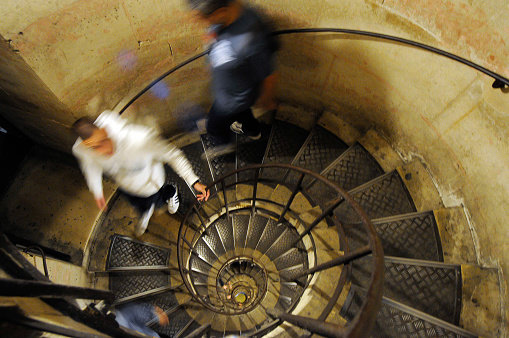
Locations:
{"points": [[255, 230], [413, 235], [319, 150], [126, 252], [396, 320], [219, 165], [351, 169], [285, 141], [431, 287], [251, 152], [384, 196]]}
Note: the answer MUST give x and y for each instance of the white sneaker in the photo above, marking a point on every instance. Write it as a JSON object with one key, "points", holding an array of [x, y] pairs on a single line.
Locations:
{"points": [[143, 222], [173, 202], [236, 127]]}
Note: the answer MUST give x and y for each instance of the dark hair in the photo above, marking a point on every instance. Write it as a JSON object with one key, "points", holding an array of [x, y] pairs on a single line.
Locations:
{"points": [[84, 127], [207, 7]]}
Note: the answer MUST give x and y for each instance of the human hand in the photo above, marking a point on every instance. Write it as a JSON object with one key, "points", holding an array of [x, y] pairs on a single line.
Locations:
{"points": [[162, 316], [204, 192], [100, 202]]}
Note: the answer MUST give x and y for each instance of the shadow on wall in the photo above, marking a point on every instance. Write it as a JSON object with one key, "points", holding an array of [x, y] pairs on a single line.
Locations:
{"points": [[329, 72]]}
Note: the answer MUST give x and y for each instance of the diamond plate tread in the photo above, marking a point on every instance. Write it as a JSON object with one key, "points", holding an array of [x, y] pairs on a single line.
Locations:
{"points": [[198, 278], [284, 144], [197, 264], [290, 293], [214, 242], [270, 236], [408, 236], [352, 169], [220, 165], [128, 285], [320, 149], [292, 258], [383, 197], [396, 322], [287, 238], [204, 251], [240, 225], [127, 252], [225, 231], [256, 227], [251, 152], [430, 288]]}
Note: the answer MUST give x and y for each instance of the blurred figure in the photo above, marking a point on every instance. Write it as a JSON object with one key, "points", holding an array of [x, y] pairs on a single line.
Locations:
{"points": [[242, 62], [133, 156], [136, 316]]}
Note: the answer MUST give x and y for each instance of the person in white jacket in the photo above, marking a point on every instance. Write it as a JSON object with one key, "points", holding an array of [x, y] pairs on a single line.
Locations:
{"points": [[133, 156]]}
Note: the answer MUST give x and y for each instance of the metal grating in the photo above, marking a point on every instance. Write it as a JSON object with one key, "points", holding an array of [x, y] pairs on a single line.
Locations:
{"points": [[321, 148], [290, 258], [396, 320], [432, 289], [251, 152], [127, 252], [222, 164], [197, 264], [285, 143], [270, 236], [256, 228], [204, 251], [225, 230], [383, 197], [409, 236], [214, 242], [240, 225], [287, 238], [128, 285], [354, 168]]}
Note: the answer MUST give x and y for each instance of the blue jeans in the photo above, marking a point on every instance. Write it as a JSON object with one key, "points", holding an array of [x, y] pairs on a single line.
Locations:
{"points": [[135, 315]]}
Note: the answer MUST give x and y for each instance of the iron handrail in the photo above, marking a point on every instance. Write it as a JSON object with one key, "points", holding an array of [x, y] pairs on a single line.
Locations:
{"points": [[500, 81], [16, 265], [363, 321]]}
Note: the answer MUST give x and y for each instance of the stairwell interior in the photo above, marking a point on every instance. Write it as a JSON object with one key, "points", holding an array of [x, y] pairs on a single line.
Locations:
{"points": [[437, 282]]}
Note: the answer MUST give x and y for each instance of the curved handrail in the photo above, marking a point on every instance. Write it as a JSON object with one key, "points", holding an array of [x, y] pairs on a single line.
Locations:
{"points": [[435, 50], [500, 81], [365, 318], [16, 265]]}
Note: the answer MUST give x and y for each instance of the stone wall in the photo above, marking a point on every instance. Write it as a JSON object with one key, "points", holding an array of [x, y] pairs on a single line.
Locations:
{"points": [[92, 55]]}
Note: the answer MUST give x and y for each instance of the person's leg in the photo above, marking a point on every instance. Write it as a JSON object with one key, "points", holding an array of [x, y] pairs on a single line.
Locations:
{"points": [[169, 195], [142, 204], [145, 206], [218, 124]]}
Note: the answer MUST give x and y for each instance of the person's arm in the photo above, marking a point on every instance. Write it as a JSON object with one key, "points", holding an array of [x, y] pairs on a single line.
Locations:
{"points": [[93, 176], [267, 99], [173, 156]]}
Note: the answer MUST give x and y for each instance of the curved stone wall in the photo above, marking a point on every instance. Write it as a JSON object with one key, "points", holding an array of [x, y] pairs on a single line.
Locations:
{"points": [[93, 54]]}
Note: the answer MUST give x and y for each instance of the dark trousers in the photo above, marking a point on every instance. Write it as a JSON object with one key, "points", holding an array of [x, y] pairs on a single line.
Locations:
{"points": [[142, 204], [218, 124]]}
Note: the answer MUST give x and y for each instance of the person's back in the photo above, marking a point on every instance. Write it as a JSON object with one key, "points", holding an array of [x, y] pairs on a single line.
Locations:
{"points": [[242, 62], [134, 157]]}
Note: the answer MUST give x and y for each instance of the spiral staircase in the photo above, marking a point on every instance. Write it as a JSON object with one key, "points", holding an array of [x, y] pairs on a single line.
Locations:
{"points": [[249, 261]]}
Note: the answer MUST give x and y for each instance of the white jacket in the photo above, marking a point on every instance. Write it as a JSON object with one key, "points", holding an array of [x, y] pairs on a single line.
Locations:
{"points": [[136, 165]]}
